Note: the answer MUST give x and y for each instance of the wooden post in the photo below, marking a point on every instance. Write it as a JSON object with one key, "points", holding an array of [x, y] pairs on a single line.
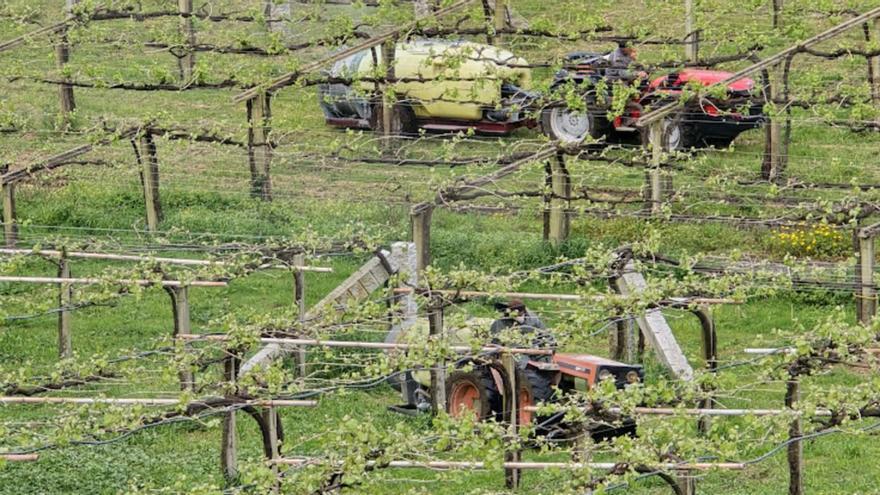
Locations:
{"points": [[62, 57], [270, 416], [500, 17], [182, 326], [872, 33], [546, 199], [420, 218], [65, 297], [615, 341], [299, 285], [687, 483], [187, 62], [489, 21], [10, 227], [560, 224], [403, 261], [777, 14], [710, 353], [776, 158], [511, 406], [857, 294], [867, 292], [65, 91], [623, 340], [438, 371], [259, 116], [389, 130], [299, 300], [228, 445], [655, 185], [691, 36], [150, 179], [795, 448], [182, 319], [581, 452], [773, 156]]}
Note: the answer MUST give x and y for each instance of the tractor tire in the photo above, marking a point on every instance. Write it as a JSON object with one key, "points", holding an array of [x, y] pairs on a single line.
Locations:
{"points": [[472, 392], [561, 124], [678, 135], [541, 383], [535, 387]]}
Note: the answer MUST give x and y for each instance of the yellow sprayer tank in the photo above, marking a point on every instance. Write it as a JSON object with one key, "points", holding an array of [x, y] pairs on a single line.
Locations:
{"points": [[464, 78]]}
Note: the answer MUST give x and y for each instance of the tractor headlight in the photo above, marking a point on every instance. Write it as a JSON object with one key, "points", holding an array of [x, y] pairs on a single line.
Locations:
{"points": [[632, 376], [605, 374]]}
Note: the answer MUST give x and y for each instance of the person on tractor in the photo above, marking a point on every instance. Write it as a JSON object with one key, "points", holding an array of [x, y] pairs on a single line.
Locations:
{"points": [[620, 61], [479, 386], [516, 315], [622, 56]]}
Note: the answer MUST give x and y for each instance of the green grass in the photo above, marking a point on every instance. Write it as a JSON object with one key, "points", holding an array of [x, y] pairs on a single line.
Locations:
{"points": [[163, 456]]}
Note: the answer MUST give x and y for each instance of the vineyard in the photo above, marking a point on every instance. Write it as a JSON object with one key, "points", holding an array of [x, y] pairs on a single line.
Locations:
{"points": [[281, 246]]}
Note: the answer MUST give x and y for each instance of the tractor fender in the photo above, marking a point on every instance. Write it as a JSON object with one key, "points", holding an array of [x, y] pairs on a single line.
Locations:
{"points": [[498, 379]]}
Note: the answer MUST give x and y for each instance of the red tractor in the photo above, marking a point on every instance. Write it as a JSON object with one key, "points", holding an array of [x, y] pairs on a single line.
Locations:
{"points": [[480, 391], [707, 121], [477, 385]]}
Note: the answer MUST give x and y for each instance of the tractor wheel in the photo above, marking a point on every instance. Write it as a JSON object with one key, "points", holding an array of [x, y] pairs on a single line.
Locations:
{"points": [[534, 387], [468, 393], [570, 127], [677, 134]]}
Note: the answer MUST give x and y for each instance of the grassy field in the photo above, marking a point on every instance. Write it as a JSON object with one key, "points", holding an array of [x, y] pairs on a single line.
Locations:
{"points": [[206, 199]]}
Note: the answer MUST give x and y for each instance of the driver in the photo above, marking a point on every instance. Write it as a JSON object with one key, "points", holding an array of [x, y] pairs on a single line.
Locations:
{"points": [[515, 315], [623, 56], [620, 60]]}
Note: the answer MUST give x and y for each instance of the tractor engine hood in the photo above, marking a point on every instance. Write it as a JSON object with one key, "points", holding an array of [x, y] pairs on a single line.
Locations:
{"points": [[705, 77]]}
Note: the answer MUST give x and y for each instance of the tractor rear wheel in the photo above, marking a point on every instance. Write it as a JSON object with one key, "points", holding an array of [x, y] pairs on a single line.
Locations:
{"points": [[570, 127], [467, 394], [677, 134]]}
